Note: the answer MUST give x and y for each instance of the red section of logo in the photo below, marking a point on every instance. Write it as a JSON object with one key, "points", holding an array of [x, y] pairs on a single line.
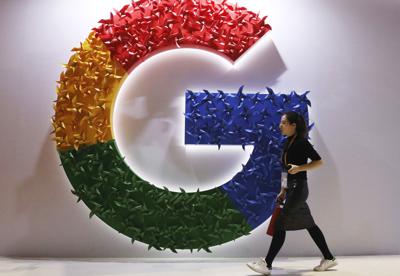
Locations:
{"points": [[145, 26]]}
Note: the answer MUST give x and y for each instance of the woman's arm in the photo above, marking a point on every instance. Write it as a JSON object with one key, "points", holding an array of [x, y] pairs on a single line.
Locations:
{"points": [[305, 167], [313, 164]]}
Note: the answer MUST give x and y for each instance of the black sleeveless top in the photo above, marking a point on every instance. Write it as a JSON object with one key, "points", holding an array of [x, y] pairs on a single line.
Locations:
{"points": [[297, 154]]}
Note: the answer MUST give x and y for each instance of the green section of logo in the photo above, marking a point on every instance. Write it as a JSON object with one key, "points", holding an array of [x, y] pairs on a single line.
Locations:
{"points": [[138, 209]]}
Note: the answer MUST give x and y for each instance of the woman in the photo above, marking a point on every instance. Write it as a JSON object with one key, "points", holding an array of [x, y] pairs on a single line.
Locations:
{"points": [[295, 214]]}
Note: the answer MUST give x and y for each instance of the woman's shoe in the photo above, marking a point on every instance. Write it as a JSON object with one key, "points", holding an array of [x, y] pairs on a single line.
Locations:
{"points": [[259, 266], [325, 264]]}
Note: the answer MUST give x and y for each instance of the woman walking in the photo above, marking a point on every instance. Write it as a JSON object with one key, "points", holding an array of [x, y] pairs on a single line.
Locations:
{"points": [[295, 214]]}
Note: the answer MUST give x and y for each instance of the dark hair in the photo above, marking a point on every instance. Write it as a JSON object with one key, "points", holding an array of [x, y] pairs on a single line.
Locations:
{"points": [[301, 127]]}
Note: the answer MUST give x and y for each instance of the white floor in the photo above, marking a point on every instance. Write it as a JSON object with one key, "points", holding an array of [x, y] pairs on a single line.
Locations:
{"points": [[351, 266]]}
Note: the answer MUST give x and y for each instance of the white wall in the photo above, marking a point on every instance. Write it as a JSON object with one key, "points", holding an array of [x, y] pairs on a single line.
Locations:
{"points": [[345, 52]]}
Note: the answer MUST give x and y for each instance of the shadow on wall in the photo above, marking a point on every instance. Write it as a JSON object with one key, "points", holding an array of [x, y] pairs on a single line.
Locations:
{"points": [[325, 194], [149, 113], [49, 220]]}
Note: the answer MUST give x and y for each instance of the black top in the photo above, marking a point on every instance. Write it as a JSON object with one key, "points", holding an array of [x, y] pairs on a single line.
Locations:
{"points": [[297, 154]]}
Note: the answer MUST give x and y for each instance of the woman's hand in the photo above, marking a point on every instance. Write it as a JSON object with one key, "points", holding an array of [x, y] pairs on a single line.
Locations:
{"points": [[294, 169], [281, 196]]}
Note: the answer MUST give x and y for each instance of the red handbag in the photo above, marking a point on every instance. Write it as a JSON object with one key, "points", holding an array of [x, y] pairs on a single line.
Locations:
{"points": [[275, 214]]}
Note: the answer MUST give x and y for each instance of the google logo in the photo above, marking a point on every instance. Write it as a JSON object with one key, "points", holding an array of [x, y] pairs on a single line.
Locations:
{"points": [[96, 169]]}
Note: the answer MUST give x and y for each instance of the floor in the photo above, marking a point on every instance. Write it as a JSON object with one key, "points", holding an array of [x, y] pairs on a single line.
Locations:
{"points": [[349, 266]]}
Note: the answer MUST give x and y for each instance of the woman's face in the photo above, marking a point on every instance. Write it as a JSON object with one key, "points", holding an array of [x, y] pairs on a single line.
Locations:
{"points": [[286, 127]]}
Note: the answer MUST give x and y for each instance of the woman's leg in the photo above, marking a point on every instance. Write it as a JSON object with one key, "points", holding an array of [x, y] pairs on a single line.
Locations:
{"points": [[319, 239], [276, 244]]}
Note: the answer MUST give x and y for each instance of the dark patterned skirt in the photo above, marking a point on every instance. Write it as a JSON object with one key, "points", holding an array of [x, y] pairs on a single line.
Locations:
{"points": [[295, 214]]}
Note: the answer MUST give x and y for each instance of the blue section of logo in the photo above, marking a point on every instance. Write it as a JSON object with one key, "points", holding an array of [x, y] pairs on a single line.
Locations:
{"points": [[245, 119]]}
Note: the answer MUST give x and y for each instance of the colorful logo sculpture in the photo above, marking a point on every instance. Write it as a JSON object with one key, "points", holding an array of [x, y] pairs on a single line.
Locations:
{"points": [[83, 132]]}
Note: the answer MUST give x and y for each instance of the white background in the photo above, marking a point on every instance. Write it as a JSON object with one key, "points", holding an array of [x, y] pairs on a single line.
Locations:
{"points": [[345, 52]]}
